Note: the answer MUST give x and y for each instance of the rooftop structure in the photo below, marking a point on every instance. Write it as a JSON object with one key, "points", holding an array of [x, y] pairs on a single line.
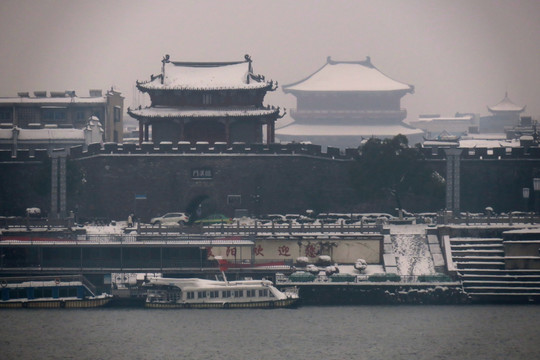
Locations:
{"points": [[64, 110], [206, 101], [346, 101], [433, 125]]}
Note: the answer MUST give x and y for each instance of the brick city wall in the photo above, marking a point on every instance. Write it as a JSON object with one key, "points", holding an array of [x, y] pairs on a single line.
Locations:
{"points": [[104, 181]]}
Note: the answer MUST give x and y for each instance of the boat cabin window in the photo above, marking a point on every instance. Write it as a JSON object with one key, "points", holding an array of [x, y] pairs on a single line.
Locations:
{"points": [[17, 293], [250, 293], [190, 295], [214, 294], [201, 294], [68, 292], [263, 293], [226, 294], [238, 293], [174, 295]]}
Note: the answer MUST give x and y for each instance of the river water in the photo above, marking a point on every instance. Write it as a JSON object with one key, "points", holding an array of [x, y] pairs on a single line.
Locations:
{"points": [[354, 332]]}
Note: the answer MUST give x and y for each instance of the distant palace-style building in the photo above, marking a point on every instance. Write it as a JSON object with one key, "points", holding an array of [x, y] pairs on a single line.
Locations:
{"points": [[345, 102], [505, 115], [206, 102]]}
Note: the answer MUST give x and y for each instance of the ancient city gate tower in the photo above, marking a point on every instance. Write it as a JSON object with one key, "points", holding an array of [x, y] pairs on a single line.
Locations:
{"points": [[206, 101]]}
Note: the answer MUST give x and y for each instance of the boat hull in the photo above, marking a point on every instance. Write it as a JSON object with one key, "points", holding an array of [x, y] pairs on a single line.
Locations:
{"points": [[56, 303], [283, 303]]}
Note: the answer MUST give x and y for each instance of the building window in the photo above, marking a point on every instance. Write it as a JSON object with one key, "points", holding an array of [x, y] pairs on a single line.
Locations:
{"points": [[27, 115], [234, 200], [117, 114], [201, 295], [250, 293], [6, 115], [226, 294], [80, 116], [207, 99], [238, 293], [214, 294], [190, 295], [54, 116]]}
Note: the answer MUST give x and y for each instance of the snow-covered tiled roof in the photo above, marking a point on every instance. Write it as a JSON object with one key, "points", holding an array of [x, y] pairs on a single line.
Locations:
{"points": [[205, 76], [53, 100], [183, 112], [347, 130], [506, 105], [490, 144], [347, 76]]}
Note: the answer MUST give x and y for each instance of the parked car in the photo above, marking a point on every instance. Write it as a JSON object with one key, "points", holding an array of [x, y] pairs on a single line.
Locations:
{"points": [[176, 218], [214, 219]]}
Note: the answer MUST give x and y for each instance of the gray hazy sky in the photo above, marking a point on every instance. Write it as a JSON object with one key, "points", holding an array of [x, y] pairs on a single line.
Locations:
{"points": [[460, 55]]}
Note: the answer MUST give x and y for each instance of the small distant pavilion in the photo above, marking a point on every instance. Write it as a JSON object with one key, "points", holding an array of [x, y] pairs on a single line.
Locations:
{"points": [[504, 115]]}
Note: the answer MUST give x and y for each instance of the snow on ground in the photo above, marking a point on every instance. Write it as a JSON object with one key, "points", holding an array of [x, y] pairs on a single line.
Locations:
{"points": [[116, 227], [370, 270], [408, 229], [410, 247]]}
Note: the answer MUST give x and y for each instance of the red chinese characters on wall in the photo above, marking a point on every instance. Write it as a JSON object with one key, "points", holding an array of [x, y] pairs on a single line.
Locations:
{"points": [[258, 250], [231, 251], [283, 250], [311, 251]]}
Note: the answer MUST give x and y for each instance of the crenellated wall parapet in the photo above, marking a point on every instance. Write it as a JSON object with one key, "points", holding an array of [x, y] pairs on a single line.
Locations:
{"points": [[502, 153], [204, 148], [219, 148]]}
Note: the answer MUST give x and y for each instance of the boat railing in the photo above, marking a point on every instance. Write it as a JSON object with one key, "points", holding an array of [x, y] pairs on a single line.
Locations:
{"points": [[260, 227], [488, 219], [47, 278], [367, 278]]}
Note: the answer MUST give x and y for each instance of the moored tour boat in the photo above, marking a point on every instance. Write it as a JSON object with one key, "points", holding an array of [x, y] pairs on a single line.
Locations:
{"points": [[203, 293], [49, 292]]}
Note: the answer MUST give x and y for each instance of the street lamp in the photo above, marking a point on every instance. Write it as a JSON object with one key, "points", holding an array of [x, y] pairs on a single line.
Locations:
{"points": [[526, 194]]}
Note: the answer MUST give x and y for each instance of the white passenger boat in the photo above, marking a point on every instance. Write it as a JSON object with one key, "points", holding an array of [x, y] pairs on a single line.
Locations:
{"points": [[203, 293], [50, 292]]}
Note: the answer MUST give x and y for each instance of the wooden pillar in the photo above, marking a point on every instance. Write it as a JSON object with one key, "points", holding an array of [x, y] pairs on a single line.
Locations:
{"points": [[141, 132], [146, 128], [272, 132], [269, 132]]}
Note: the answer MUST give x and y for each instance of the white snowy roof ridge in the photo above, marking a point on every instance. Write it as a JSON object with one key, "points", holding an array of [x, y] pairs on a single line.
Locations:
{"points": [[506, 105], [359, 76], [206, 76], [172, 112]]}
